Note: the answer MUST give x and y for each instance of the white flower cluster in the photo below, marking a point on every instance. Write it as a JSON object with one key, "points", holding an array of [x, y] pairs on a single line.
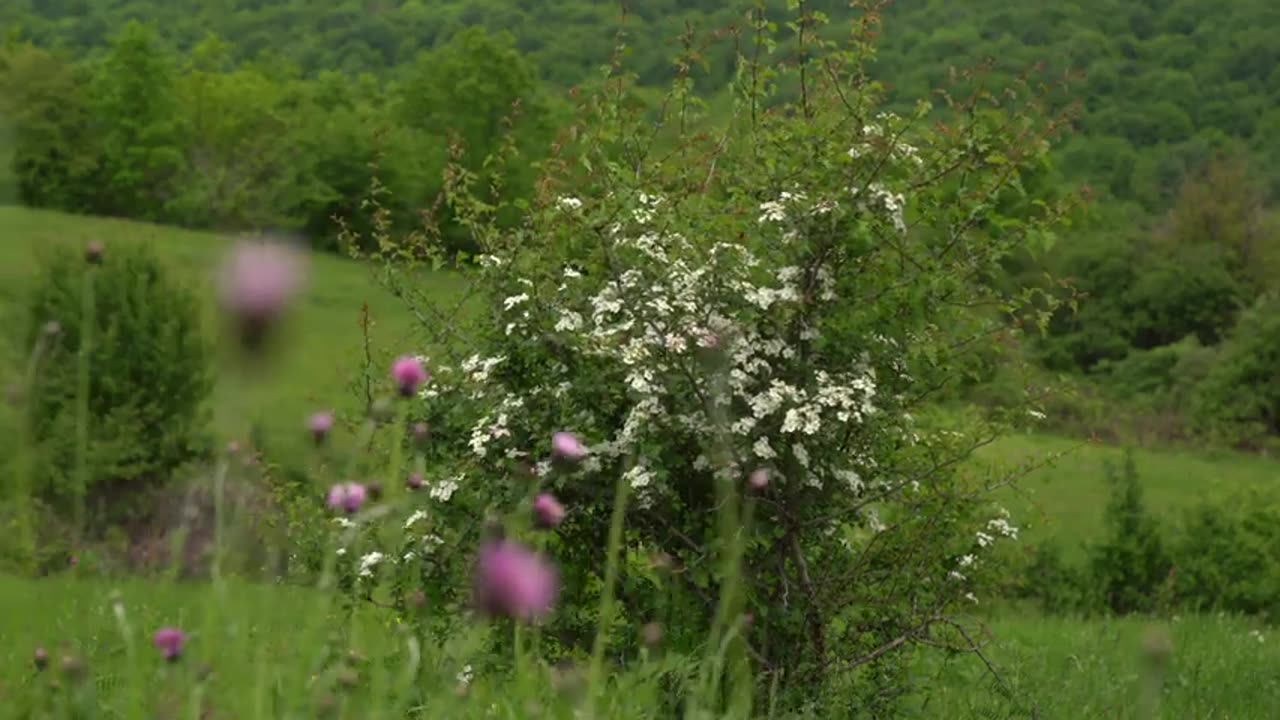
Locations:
{"points": [[369, 562], [442, 490]]}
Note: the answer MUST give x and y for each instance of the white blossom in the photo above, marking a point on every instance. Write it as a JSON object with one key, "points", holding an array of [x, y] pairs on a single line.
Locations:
{"points": [[413, 519], [444, 489], [369, 562]]}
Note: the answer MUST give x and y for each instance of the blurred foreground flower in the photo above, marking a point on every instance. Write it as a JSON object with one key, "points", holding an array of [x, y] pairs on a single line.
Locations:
{"points": [[513, 581], [408, 374], [346, 497], [169, 642], [320, 424], [258, 282], [547, 511], [41, 658], [567, 447]]}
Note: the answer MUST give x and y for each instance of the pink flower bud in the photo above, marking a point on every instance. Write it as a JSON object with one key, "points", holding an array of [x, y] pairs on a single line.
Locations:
{"points": [[169, 641], [258, 282], [547, 511], [414, 481], [514, 581], [346, 497], [320, 424], [567, 447], [409, 375]]}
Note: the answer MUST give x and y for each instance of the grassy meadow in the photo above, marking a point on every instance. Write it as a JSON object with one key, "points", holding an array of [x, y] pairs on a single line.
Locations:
{"points": [[258, 639], [319, 364]]}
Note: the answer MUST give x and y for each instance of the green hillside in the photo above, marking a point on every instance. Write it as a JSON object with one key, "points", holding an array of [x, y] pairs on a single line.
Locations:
{"points": [[316, 366]]}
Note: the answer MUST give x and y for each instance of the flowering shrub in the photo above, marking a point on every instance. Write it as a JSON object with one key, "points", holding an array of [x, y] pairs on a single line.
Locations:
{"points": [[783, 291]]}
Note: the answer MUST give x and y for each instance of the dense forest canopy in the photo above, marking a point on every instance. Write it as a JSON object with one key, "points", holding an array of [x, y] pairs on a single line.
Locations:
{"points": [[1165, 83], [244, 114]]}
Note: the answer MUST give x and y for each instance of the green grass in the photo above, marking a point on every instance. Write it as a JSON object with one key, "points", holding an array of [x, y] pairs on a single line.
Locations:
{"points": [[1063, 668], [320, 362], [1066, 668], [1065, 499]]}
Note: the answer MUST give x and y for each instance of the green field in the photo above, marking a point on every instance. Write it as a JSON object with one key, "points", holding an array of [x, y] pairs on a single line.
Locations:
{"points": [[252, 637], [319, 362], [1064, 497]]}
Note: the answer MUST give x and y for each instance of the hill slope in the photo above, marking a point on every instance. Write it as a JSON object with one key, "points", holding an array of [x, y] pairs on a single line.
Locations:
{"points": [[321, 358]]}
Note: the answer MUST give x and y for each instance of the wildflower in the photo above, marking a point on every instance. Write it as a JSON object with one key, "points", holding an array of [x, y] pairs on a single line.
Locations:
{"points": [[408, 374], [347, 497], [93, 252], [369, 562], [514, 581], [414, 481], [758, 480], [169, 642], [547, 511], [41, 658], [258, 282], [320, 424], [566, 446]]}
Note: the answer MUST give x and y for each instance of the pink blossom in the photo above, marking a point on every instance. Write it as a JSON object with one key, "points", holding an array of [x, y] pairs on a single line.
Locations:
{"points": [[567, 446], [320, 424], [512, 580], [408, 374], [414, 481], [169, 641], [258, 281], [347, 497], [547, 511], [758, 480]]}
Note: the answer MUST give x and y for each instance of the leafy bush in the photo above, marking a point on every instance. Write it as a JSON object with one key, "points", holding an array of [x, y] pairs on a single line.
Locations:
{"points": [[1240, 396], [148, 376], [783, 294], [1227, 556]]}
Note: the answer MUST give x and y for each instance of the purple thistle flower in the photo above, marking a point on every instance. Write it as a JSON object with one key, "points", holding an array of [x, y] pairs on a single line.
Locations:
{"points": [[346, 497], [320, 424], [41, 658], [258, 281], [414, 481], [513, 581], [566, 446], [169, 641], [759, 479], [547, 511], [408, 374]]}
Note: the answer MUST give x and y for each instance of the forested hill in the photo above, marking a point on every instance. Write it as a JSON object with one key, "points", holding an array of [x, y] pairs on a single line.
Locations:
{"points": [[1167, 82]]}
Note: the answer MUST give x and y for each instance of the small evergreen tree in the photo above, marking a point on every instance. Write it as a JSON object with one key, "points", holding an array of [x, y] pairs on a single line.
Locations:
{"points": [[1130, 564]]}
